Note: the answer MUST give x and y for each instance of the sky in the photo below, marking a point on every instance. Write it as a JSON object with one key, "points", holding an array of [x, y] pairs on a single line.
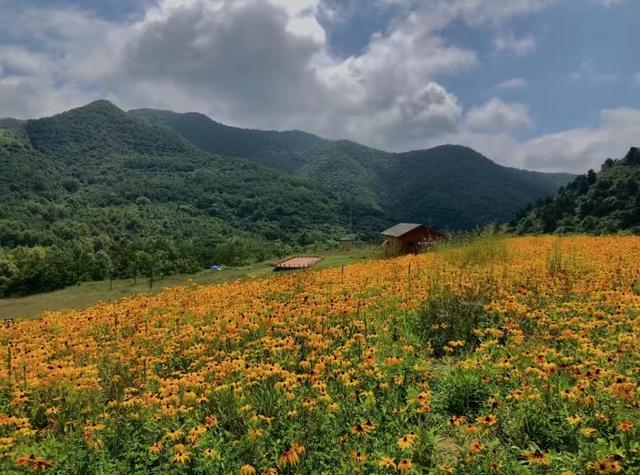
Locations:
{"points": [[549, 85]]}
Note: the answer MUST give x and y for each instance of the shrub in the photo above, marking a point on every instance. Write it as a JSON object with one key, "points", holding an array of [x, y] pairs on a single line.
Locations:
{"points": [[464, 393], [449, 316]]}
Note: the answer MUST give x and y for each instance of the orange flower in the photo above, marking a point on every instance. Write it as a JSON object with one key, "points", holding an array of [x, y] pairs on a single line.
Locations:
{"points": [[404, 466], [247, 470], [387, 462], [606, 466], [407, 441], [489, 420], [536, 457], [625, 426], [156, 448], [359, 456]]}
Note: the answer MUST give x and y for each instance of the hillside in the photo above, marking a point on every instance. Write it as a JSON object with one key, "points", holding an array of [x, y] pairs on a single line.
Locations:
{"points": [[94, 192], [270, 148], [97, 192], [448, 187], [603, 202]]}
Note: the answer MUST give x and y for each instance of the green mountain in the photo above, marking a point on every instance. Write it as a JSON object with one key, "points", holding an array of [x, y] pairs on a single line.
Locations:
{"points": [[278, 150], [599, 203], [97, 192], [448, 187]]}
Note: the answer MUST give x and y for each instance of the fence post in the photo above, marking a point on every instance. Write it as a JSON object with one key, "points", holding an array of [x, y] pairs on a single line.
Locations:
{"points": [[9, 369]]}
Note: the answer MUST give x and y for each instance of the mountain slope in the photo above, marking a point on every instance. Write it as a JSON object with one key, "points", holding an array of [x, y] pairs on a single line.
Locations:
{"points": [[95, 192], [278, 150], [448, 187], [456, 187], [603, 202]]}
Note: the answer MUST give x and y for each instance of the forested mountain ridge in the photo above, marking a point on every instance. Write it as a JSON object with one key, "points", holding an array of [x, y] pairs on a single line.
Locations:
{"points": [[95, 192], [449, 187], [270, 148], [604, 202]]}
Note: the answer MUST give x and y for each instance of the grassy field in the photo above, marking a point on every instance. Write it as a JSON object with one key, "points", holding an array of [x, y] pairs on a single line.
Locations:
{"points": [[89, 293]]}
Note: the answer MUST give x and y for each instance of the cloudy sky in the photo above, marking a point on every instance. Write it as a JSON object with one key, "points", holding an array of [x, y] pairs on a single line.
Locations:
{"points": [[538, 84]]}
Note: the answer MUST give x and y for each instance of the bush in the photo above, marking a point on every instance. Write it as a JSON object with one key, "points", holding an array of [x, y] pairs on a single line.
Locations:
{"points": [[464, 393], [447, 316]]}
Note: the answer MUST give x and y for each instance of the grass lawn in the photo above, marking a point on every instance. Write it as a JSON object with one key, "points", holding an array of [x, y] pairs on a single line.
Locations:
{"points": [[88, 293]]}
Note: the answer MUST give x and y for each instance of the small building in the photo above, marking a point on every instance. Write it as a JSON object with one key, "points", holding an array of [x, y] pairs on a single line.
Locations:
{"points": [[346, 242], [407, 238], [296, 263]]}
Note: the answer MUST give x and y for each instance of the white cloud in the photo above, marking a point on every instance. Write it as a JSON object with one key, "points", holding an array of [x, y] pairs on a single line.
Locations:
{"points": [[609, 3], [517, 46], [476, 12], [267, 64], [25, 97], [510, 84], [579, 149], [587, 72], [20, 60], [497, 115], [241, 63], [573, 150]]}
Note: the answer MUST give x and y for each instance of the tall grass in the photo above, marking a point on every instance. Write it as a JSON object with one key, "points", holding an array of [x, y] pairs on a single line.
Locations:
{"points": [[555, 263], [476, 249], [449, 315]]}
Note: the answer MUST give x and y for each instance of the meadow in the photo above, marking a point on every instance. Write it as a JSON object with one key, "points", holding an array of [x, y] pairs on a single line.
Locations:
{"points": [[86, 294], [498, 355]]}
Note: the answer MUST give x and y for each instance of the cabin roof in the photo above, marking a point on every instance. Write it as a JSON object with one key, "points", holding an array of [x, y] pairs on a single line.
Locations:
{"points": [[401, 229]]}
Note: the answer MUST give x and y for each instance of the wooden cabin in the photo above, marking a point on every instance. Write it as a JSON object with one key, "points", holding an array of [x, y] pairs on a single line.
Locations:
{"points": [[346, 242], [409, 238]]}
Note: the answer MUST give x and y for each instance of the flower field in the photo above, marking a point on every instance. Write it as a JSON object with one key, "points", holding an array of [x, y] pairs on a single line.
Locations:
{"points": [[493, 356]]}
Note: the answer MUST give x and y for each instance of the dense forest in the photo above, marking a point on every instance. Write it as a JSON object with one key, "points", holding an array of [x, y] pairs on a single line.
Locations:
{"points": [[596, 203], [448, 187], [97, 193]]}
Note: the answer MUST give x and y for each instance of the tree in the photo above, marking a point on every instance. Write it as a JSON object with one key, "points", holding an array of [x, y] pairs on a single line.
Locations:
{"points": [[8, 274]]}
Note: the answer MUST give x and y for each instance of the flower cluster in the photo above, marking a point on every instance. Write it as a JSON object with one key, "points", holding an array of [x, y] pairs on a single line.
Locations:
{"points": [[337, 371]]}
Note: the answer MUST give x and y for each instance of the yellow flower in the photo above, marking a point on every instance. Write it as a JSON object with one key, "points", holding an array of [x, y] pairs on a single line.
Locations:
{"points": [[606, 466], [156, 448], [407, 441], [404, 466], [210, 454], [247, 470], [446, 468], [489, 420], [387, 462], [587, 431], [174, 434], [573, 420], [181, 454], [536, 457], [359, 457]]}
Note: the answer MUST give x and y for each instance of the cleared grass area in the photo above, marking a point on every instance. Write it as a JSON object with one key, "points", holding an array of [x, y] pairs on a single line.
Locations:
{"points": [[89, 293]]}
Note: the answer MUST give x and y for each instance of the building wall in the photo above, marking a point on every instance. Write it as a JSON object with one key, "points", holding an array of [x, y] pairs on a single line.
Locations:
{"points": [[346, 245], [413, 241]]}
